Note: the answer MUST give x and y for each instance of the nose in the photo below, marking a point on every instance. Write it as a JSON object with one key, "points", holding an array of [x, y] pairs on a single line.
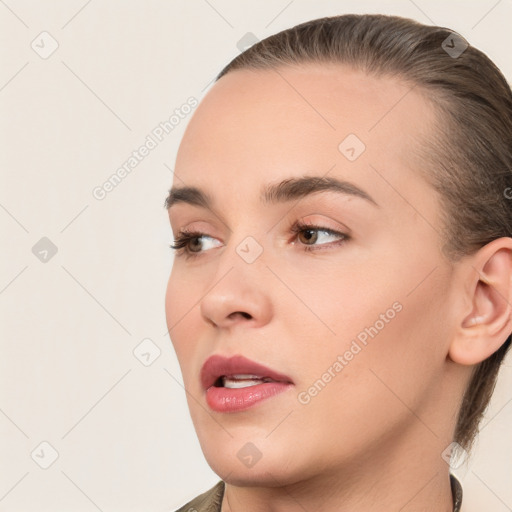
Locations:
{"points": [[238, 296]]}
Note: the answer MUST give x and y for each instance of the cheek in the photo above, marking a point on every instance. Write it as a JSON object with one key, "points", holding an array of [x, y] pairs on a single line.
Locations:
{"points": [[339, 304], [180, 298], [376, 383], [385, 342], [171, 300]]}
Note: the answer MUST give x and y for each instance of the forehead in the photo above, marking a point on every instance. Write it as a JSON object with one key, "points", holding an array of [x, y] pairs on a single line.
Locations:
{"points": [[258, 126]]}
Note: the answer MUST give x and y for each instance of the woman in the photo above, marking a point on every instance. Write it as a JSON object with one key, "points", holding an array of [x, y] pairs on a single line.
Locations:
{"points": [[340, 299]]}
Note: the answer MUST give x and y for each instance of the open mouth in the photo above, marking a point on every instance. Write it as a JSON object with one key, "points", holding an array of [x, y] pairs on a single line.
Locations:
{"points": [[236, 383]]}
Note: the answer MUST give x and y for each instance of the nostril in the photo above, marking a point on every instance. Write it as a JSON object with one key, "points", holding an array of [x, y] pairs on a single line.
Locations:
{"points": [[242, 313]]}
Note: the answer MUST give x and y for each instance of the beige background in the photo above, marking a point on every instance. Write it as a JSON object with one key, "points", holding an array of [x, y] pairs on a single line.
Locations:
{"points": [[70, 323]]}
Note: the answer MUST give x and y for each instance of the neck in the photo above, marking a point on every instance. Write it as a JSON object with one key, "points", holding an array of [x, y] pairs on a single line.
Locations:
{"points": [[403, 479]]}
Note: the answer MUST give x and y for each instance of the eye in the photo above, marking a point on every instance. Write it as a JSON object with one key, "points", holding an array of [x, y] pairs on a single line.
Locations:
{"points": [[189, 243], [310, 235]]}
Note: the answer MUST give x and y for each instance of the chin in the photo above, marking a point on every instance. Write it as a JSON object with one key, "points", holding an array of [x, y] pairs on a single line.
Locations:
{"points": [[253, 461], [262, 474]]}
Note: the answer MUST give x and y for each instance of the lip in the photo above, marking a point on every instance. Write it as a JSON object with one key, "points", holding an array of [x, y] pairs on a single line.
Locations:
{"points": [[223, 399]]}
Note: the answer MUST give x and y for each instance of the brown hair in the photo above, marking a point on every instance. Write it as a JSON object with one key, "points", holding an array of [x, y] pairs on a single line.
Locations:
{"points": [[468, 159]]}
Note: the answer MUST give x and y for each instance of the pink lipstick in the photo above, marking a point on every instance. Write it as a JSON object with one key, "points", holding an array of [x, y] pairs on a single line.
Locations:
{"points": [[236, 383]]}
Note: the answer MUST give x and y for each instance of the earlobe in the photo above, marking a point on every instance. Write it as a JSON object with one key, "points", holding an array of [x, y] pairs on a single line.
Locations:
{"points": [[488, 324]]}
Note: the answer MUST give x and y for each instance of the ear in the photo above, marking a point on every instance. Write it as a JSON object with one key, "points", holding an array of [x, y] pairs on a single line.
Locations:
{"points": [[488, 323]]}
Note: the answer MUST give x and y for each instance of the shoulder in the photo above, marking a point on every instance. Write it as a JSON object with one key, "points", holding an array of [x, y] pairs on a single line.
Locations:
{"points": [[209, 501]]}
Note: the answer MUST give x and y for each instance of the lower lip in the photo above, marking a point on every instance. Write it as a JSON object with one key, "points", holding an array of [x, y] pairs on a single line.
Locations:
{"points": [[234, 400]]}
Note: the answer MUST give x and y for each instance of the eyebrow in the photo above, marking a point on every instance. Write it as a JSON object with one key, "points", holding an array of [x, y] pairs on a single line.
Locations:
{"points": [[284, 191]]}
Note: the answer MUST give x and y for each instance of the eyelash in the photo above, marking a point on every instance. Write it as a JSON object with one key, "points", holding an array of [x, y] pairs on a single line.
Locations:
{"points": [[185, 237]]}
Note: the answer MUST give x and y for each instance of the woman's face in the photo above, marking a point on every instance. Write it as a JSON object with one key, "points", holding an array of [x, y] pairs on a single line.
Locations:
{"points": [[356, 324]]}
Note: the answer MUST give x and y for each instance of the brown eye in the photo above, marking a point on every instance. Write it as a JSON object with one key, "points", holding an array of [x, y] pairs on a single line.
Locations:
{"points": [[190, 243], [195, 244], [309, 236], [316, 238]]}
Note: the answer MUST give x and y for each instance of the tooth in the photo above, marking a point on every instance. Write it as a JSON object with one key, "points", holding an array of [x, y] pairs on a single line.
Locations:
{"points": [[236, 382]]}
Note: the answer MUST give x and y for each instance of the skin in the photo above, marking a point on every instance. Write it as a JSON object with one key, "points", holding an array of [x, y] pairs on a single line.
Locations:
{"points": [[372, 439]]}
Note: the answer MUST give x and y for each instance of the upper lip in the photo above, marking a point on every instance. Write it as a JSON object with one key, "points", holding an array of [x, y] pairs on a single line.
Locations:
{"points": [[218, 366]]}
